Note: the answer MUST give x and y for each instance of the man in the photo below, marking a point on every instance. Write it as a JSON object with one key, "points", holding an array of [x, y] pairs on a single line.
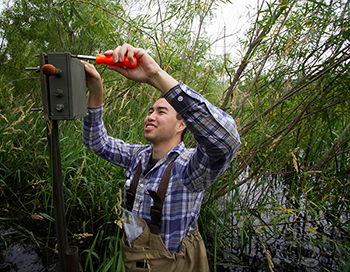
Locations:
{"points": [[178, 246]]}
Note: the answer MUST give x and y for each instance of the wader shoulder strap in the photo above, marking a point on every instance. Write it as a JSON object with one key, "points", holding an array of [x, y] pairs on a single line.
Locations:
{"points": [[158, 197], [130, 194], [158, 200]]}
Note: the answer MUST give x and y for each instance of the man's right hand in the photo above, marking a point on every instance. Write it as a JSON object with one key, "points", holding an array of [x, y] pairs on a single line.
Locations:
{"points": [[94, 84], [147, 69]]}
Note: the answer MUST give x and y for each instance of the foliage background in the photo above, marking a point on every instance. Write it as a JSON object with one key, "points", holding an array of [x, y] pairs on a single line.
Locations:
{"points": [[283, 204]]}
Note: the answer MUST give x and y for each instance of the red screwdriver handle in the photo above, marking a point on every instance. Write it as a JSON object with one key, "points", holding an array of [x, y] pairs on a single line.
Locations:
{"points": [[102, 59]]}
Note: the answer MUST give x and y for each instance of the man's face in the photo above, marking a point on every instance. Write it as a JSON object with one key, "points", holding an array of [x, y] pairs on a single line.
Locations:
{"points": [[161, 124]]}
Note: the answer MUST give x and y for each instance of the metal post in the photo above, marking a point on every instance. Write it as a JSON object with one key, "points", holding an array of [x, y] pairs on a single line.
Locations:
{"points": [[58, 196], [72, 259], [56, 173]]}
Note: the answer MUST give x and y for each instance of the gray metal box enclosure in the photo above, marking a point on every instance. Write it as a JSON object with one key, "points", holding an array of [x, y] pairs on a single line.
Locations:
{"points": [[67, 92]]}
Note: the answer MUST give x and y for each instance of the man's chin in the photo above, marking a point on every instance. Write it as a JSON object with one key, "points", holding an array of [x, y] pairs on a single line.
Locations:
{"points": [[148, 138]]}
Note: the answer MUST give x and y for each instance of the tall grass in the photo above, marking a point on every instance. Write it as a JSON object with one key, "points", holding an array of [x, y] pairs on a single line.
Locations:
{"points": [[92, 187], [270, 222]]}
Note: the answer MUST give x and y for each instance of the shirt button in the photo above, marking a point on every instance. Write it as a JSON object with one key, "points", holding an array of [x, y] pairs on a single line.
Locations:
{"points": [[180, 99]]}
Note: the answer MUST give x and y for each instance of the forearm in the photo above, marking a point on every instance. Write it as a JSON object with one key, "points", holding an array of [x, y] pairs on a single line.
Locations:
{"points": [[162, 81], [95, 98]]}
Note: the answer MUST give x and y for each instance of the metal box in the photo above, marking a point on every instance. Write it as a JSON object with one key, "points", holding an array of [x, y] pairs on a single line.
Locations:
{"points": [[67, 89]]}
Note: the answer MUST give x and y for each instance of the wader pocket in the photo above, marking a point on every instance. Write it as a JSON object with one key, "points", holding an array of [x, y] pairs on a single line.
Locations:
{"points": [[148, 253], [133, 226]]}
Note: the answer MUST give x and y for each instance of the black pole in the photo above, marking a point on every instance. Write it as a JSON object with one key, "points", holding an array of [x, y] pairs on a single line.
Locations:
{"points": [[56, 172], [72, 258], [58, 196]]}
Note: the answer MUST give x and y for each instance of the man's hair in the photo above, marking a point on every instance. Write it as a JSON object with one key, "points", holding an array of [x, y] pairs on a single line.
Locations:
{"points": [[179, 117]]}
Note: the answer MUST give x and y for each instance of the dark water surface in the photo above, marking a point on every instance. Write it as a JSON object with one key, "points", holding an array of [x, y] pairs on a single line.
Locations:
{"points": [[19, 253], [24, 246]]}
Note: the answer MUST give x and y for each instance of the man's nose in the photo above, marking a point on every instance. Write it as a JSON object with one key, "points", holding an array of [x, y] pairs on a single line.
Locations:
{"points": [[151, 116]]}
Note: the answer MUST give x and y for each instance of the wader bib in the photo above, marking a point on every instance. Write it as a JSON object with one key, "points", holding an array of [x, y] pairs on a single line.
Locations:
{"points": [[148, 252]]}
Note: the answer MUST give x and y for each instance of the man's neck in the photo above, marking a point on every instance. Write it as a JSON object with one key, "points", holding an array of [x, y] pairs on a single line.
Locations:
{"points": [[160, 150]]}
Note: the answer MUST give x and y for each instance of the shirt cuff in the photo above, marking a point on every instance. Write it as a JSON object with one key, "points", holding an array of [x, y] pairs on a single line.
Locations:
{"points": [[180, 97], [94, 114]]}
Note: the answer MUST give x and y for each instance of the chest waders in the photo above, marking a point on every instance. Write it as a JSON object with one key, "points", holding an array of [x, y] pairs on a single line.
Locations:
{"points": [[149, 252]]}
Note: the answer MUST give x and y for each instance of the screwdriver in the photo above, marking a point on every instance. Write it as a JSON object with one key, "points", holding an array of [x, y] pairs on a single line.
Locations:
{"points": [[102, 59]]}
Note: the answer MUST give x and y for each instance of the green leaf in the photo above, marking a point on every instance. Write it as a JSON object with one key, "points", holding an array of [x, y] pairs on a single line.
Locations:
{"points": [[77, 13], [45, 215]]}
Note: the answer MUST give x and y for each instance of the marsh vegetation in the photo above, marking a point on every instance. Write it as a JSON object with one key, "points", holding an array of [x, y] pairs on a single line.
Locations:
{"points": [[283, 203]]}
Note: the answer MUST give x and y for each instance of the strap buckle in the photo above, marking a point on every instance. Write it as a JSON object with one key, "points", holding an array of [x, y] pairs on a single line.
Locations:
{"points": [[156, 219]]}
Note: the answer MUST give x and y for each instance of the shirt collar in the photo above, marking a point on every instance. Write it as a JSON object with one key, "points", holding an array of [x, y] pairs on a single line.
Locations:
{"points": [[171, 155]]}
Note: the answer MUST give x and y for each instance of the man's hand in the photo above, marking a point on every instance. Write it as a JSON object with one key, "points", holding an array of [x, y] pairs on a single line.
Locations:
{"points": [[146, 71], [94, 84]]}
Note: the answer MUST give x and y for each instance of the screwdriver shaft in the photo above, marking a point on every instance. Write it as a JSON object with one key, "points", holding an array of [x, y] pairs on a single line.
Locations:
{"points": [[84, 57]]}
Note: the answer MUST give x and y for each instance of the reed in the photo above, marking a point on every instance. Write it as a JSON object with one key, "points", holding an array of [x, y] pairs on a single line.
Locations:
{"points": [[262, 218]]}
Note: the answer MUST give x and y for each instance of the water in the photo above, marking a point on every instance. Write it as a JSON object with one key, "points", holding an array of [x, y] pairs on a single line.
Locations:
{"points": [[23, 243], [21, 254], [290, 247]]}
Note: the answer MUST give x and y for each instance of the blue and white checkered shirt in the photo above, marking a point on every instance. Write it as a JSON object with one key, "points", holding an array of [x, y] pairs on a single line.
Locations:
{"points": [[194, 169]]}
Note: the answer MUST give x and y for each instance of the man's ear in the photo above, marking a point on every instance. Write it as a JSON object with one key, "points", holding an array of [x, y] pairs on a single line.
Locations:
{"points": [[182, 125]]}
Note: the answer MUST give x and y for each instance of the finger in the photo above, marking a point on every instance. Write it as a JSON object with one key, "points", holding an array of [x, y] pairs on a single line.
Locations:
{"points": [[115, 54], [119, 53], [86, 64], [130, 55], [108, 52], [89, 68]]}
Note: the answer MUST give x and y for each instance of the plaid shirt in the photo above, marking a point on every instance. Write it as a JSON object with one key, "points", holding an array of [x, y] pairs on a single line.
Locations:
{"points": [[194, 169]]}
